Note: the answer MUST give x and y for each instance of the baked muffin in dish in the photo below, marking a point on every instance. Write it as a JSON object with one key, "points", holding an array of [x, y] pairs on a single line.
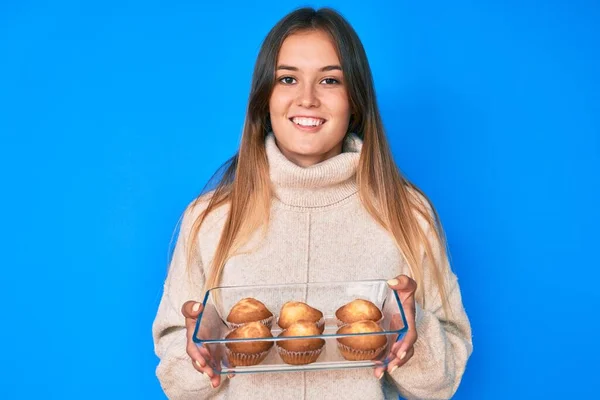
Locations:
{"points": [[300, 351], [248, 353], [249, 310], [360, 348], [294, 311], [358, 310]]}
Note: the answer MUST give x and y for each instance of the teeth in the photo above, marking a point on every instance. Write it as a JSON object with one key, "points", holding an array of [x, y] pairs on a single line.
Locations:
{"points": [[308, 121]]}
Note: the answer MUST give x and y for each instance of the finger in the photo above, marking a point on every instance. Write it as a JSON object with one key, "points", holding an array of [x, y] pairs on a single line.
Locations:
{"points": [[406, 288], [190, 326], [392, 357], [410, 338], [398, 362], [204, 352], [199, 361], [204, 369], [379, 371], [395, 347], [381, 365], [408, 341], [398, 352], [196, 355], [403, 283], [215, 379], [199, 355], [191, 309]]}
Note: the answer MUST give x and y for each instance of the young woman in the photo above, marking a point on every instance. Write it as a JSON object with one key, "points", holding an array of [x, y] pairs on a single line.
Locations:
{"points": [[314, 195]]}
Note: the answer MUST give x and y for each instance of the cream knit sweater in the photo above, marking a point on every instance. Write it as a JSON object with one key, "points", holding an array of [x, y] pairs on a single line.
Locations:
{"points": [[319, 232]]}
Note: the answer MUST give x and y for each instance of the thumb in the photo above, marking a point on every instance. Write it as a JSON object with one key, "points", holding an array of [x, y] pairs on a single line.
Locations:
{"points": [[403, 284], [191, 309], [406, 288]]}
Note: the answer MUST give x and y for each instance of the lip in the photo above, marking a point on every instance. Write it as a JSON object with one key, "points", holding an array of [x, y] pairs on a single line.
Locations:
{"points": [[310, 129], [307, 116]]}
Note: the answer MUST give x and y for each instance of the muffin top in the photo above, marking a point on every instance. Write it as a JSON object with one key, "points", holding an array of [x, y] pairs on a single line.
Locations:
{"points": [[252, 330], [358, 310], [294, 311], [369, 342], [301, 328], [248, 310]]}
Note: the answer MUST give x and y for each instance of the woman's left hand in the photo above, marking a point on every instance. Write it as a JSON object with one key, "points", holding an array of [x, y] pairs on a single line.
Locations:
{"points": [[402, 350]]}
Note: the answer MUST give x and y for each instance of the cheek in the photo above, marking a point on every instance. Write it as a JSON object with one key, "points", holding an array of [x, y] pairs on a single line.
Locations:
{"points": [[338, 104], [279, 102]]}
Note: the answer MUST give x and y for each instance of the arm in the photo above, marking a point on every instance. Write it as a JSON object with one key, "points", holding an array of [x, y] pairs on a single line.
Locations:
{"points": [[443, 344], [176, 373]]}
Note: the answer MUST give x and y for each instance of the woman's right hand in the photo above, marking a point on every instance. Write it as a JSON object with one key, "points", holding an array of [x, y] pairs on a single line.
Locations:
{"points": [[199, 355]]}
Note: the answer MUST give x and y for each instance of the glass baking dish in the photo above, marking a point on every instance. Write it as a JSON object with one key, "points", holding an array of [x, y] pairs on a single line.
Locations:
{"points": [[211, 326]]}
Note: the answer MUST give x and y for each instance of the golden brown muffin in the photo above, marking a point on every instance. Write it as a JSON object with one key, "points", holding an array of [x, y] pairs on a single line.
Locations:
{"points": [[300, 351], [358, 310], [294, 311], [356, 348], [248, 353], [249, 310]]}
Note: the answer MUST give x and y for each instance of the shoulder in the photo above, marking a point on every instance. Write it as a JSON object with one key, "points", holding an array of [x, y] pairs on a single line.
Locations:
{"points": [[196, 207], [421, 205], [194, 212], [427, 218]]}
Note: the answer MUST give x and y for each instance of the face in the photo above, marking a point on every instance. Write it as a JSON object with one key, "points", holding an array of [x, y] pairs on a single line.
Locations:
{"points": [[309, 106]]}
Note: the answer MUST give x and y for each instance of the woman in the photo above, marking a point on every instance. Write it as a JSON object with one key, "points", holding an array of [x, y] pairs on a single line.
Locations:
{"points": [[313, 195]]}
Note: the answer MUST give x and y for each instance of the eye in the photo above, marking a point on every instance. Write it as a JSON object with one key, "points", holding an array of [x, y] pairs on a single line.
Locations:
{"points": [[330, 81], [287, 80]]}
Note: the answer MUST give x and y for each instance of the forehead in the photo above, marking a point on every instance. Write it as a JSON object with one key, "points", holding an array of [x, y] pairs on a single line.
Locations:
{"points": [[308, 50]]}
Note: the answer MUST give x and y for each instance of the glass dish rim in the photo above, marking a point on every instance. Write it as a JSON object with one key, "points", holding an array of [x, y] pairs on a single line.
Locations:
{"points": [[399, 332]]}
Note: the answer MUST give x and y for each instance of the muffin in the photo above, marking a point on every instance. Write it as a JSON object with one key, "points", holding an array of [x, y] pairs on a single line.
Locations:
{"points": [[249, 310], [359, 348], [300, 351], [248, 353], [294, 311], [358, 310]]}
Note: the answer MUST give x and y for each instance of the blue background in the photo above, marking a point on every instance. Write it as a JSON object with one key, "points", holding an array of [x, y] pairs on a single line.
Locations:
{"points": [[114, 114]]}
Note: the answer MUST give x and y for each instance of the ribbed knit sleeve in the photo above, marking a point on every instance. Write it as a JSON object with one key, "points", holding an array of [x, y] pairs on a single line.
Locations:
{"points": [[444, 341], [177, 376]]}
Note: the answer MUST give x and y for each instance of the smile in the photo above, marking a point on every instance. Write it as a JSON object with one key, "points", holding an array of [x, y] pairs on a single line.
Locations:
{"points": [[307, 122]]}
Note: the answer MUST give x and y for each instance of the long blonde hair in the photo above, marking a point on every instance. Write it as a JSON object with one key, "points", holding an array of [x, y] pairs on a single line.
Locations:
{"points": [[389, 198]]}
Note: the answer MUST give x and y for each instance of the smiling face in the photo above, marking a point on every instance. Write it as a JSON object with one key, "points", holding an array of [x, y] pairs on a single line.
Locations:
{"points": [[309, 107]]}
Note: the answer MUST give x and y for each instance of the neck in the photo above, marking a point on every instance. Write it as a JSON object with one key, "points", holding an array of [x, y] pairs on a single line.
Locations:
{"points": [[308, 161], [319, 184]]}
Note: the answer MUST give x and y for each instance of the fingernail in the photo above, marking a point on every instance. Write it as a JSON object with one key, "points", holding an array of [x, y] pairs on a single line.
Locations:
{"points": [[198, 364], [393, 282], [196, 307], [403, 355], [206, 375], [213, 385], [381, 375], [393, 369]]}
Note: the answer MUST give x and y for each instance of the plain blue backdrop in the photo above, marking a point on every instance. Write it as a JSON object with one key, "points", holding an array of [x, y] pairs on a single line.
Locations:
{"points": [[114, 114]]}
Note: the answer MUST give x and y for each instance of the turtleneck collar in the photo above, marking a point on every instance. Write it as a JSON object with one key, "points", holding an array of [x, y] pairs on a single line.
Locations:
{"points": [[319, 185]]}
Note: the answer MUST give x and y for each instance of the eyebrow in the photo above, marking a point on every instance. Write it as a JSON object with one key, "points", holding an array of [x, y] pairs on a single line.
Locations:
{"points": [[324, 69]]}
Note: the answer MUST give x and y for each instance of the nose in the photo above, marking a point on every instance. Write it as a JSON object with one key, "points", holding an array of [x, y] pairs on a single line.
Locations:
{"points": [[307, 96]]}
